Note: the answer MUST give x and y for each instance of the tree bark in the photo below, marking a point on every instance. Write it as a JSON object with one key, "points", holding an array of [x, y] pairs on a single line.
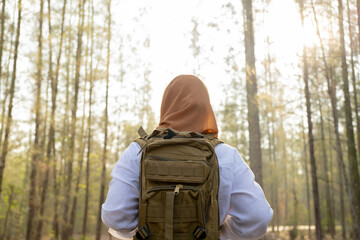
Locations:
{"points": [[329, 207], [36, 152], [51, 142], [2, 35], [307, 180], [51, 134], [315, 189], [103, 172], [66, 227], [8, 212], [352, 158], [82, 150], [4, 149], [353, 77], [251, 89], [358, 18], [87, 176]]}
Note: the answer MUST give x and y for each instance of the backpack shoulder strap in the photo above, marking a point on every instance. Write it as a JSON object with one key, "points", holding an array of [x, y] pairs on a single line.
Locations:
{"points": [[213, 140]]}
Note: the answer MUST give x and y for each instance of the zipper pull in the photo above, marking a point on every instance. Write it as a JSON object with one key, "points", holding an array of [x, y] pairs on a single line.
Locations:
{"points": [[177, 189]]}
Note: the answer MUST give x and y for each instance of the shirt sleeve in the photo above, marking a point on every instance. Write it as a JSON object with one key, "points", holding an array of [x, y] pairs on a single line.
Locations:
{"points": [[249, 212], [120, 210]]}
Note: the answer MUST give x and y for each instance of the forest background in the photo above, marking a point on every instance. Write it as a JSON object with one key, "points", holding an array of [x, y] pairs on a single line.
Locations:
{"points": [[78, 78]]}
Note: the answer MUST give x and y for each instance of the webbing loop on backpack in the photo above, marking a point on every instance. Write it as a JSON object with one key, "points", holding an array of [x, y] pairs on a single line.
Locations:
{"points": [[142, 132]]}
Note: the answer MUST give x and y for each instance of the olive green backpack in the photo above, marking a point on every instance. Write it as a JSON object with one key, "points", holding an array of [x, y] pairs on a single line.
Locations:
{"points": [[179, 185]]}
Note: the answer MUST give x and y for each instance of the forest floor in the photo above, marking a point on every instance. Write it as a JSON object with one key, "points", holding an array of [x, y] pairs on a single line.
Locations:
{"points": [[301, 235]]}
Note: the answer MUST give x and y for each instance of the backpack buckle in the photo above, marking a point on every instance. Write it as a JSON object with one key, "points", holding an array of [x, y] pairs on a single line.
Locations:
{"points": [[169, 135], [199, 233], [142, 233]]}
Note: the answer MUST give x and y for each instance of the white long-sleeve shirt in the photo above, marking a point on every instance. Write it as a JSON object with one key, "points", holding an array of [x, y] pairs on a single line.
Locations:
{"points": [[244, 211]]}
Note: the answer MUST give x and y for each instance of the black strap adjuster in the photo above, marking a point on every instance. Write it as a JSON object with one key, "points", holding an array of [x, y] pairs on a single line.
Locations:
{"points": [[142, 233], [199, 233]]}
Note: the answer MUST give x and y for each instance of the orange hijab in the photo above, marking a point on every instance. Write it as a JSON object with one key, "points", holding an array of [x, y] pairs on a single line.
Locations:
{"points": [[186, 106]]}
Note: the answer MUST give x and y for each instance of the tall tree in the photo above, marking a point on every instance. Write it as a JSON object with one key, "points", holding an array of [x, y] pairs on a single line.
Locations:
{"points": [[353, 77], [36, 151], [51, 135], [305, 153], [69, 168], [103, 171], [329, 207], [352, 158], [251, 90], [4, 149], [89, 122], [2, 35], [358, 18], [315, 189], [51, 142]]}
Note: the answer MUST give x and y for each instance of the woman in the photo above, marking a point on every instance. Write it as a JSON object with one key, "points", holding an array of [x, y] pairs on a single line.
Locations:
{"points": [[244, 211]]}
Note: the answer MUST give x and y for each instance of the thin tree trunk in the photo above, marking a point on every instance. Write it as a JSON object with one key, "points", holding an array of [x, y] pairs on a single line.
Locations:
{"points": [[82, 150], [307, 180], [67, 228], [65, 129], [358, 18], [312, 157], [329, 207], [36, 151], [51, 134], [352, 158], [6, 91], [4, 149], [251, 89], [87, 176], [315, 189], [2, 35], [8, 212], [332, 94], [342, 206], [103, 172], [353, 77], [51, 143]]}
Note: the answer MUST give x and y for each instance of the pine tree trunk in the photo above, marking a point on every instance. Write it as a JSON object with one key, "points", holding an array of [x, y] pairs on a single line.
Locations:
{"points": [[103, 171], [81, 156], [353, 77], [69, 168], [8, 212], [2, 35], [352, 158], [251, 89], [4, 149], [36, 152], [329, 207], [51, 143], [358, 18], [307, 181], [64, 153], [87, 176], [51, 134], [312, 156], [315, 189]]}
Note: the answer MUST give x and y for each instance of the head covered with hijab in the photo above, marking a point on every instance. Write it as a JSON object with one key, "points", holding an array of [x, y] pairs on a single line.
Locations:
{"points": [[186, 106]]}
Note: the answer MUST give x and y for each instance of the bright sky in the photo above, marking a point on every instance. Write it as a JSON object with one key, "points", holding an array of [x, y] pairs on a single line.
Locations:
{"points": [[168, 25]]}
